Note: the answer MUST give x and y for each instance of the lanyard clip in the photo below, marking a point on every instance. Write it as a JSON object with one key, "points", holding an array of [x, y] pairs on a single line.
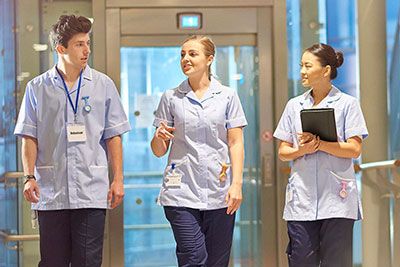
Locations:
{"points": [[87, 107], [173, 166]]}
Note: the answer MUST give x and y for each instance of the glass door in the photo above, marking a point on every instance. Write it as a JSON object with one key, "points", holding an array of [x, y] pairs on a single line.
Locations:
{"points": [[8, 142], [146, 72]]}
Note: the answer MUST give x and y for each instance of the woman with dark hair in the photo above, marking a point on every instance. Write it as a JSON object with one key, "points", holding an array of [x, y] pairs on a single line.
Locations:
{"points": [[322, 200]]}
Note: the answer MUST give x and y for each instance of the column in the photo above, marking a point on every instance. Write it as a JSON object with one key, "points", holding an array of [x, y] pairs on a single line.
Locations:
{"points": [[373, 95]]}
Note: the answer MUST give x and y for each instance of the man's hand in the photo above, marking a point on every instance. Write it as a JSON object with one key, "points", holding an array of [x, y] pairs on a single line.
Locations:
{"points": [[116, 193], [30, 187]]}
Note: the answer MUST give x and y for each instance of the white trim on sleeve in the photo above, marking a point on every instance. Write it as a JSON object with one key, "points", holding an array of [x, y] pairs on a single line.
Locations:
{"points": [[33, 126], [160, 119], [240, 118], [116, 125]]}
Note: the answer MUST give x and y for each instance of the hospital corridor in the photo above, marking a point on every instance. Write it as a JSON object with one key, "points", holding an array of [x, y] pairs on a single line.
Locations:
{"points": [[261, 73]]}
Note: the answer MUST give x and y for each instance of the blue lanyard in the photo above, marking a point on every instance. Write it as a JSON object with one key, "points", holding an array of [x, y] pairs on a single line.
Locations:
{"points": [[75, 109]]}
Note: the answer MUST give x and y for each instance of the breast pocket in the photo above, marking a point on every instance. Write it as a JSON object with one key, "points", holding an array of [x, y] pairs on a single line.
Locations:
{"points": [[191, 122], [187, 118], [216, 116]]}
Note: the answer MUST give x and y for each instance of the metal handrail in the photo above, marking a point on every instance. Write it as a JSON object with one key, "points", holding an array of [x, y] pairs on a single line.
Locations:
{"points": [[168, 226], [380, 164], [11, 175], [364, 166], [17, 238], [392, 186], [14, 175]]}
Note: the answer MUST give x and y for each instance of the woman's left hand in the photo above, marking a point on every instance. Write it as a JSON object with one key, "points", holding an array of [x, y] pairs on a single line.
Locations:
{"points": [[234, 198]]}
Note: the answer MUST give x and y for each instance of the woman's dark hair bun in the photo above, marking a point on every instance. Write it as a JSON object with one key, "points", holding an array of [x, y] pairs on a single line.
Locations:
{"points": [[339, 59], [327, 56]]}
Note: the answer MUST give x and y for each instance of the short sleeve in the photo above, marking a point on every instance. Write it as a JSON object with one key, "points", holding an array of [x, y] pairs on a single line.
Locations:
{"points": [[284, 129], [354, 122], [116, 121], [27, 118], [163, 113], [234, 114]]}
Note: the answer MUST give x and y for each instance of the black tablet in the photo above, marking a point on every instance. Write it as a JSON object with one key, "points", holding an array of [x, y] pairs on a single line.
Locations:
{"points": [[319, 121]]}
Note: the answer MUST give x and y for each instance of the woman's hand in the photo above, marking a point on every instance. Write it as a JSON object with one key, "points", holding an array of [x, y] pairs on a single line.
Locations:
{"points": [[160, 142], [308, 143], [234, 198], [305, 137], [164, 132]]}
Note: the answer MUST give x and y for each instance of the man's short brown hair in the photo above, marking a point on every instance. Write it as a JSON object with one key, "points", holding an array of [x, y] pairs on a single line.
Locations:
{"points": [[66, 27]]}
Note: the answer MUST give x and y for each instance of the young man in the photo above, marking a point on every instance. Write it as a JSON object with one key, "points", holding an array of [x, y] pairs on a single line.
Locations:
{"points": [[71, 121]]}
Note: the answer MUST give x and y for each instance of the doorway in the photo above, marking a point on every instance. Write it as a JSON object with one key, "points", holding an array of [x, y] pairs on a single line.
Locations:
{"points": [[146, 72], [142, 57]]}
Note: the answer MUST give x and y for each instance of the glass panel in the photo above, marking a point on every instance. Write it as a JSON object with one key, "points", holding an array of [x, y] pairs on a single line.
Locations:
{"points": [[145, 74], [392, 22], [8, 195], [393, 36], [393, 41]]}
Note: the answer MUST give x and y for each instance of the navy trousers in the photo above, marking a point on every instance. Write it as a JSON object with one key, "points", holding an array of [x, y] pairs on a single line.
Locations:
{"points": [[71, 237], [326, 243], [203, 238]]}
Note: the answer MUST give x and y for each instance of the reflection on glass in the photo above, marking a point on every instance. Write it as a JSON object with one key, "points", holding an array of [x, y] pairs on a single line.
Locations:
{"points": [[392, 22], [8, 146], [145, 74]]}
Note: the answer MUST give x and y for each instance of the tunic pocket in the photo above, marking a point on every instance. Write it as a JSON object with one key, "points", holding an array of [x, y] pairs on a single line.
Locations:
{"points": [[342, 188], [174, 174], [291, 192], [99, 184], [223, 174], [46, 181]]}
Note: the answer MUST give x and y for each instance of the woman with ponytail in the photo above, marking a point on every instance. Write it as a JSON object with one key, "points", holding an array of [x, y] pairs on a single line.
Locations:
{"points": [[322, 200], [202, 185]]}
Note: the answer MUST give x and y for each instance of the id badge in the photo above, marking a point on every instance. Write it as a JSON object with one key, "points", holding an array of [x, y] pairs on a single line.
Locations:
{"points": [[174, 179], [76, 133]]}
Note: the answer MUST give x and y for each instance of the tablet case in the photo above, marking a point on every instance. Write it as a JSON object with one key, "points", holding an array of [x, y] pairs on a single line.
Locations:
{"points": [[319, 121]]}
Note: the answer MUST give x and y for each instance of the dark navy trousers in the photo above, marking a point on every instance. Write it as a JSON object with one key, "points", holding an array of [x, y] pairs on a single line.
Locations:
{"points": [[71, 237], [203, 237], [325, 243]]}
